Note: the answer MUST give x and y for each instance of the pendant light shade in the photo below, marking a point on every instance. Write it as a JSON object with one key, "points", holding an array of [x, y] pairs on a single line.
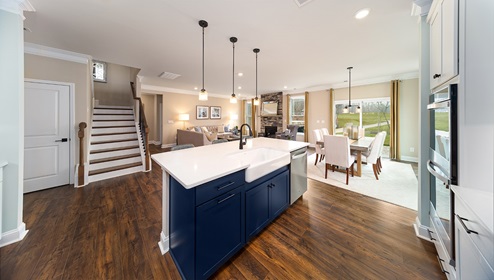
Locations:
{"points": [[203, 95], [233, 98], [256, 100], [348, 108]]}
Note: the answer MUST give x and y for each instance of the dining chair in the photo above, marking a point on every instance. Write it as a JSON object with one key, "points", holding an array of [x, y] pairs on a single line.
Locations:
{"points": [[337, 151], [379, 163], [324, 131], [219, 140], [319, 147], [374, 154]]}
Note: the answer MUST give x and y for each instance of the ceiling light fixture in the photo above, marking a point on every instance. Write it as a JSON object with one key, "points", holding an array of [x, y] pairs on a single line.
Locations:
{"points": [[233, 99], [239, 87], [240, 74], [348, 108], [203, 95], [256, 100], [360, 14]]}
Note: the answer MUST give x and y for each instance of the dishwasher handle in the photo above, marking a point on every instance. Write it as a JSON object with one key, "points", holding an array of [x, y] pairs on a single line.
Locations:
{"points": [[294, 157]]}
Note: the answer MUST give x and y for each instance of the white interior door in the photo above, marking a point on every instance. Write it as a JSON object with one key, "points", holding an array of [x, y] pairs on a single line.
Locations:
{"points": [[46, 136]]}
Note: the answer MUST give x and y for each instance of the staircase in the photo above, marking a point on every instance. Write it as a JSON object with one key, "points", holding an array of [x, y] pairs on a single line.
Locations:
{"points": [[114, 148]]}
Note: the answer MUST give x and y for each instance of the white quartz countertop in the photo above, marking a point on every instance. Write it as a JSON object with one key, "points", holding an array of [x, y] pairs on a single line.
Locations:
{"points": [[484, 206], [196, 166]]}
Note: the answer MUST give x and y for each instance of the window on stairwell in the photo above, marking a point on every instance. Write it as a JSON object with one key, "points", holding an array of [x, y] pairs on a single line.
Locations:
{"points": [[99, 71]]}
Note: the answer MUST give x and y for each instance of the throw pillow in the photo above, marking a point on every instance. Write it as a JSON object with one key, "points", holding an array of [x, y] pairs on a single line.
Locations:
{"points": [[204, 129], [197, 129], [227, 128], [211, 136], [221, 129]]}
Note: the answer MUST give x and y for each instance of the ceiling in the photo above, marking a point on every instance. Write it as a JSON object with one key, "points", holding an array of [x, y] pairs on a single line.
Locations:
{"points": [[302, 48]]}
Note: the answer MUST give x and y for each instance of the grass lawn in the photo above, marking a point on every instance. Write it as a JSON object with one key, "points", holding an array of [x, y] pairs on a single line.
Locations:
{"points": [[367, 118]]}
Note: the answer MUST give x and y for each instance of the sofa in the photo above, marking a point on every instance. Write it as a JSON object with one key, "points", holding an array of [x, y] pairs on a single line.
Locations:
{"points": [[201, 136]]}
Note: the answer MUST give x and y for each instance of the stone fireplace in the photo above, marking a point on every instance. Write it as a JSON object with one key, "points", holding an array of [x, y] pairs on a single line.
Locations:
{"points": [[275, 121]]}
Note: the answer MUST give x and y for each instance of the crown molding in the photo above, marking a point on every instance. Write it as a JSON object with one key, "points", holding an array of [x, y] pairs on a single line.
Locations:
{"points": [[16, 7], [160, 90], [40, 50], [377, 80]]}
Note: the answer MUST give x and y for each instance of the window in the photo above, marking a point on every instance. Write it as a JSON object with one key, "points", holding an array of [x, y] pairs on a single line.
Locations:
{"points": [[297, 112], [248, 113], [99, 71], [374, 116]]}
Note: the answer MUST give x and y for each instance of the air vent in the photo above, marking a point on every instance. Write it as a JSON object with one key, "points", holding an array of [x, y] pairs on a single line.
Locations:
{"points": [[300, 3], [169, 76]]}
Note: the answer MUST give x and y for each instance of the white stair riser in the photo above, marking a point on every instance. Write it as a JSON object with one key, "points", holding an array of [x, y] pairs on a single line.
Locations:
{"points": [[113, 123], [113, 145], [113, 117], [113, 112], [114, 154], [96, 130], [97, 166], [113, 137], [112, 106], [108, 175]]}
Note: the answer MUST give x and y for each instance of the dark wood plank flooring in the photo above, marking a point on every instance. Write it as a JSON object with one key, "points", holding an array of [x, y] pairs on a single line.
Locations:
{"points": [[110, 230]]}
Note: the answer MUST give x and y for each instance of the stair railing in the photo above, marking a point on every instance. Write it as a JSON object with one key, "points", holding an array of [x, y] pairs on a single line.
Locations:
{"points": [[80, 170], [142, 125]]}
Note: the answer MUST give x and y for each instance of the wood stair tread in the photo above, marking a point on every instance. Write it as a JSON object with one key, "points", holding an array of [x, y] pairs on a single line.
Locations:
{"points": [[114, 149], [114, 168], [123, 120], [113, 141], [113, 126], [94, 161], [113, 114], [113, 108], [113, 133]]}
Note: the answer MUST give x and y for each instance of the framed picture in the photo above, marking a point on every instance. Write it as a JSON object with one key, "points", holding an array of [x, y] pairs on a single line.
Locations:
{"points": [[215, 112], [202, 112]]}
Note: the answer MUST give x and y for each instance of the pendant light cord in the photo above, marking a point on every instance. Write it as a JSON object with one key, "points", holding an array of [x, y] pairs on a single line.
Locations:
{"points": [[203, 58], [256, 75], [349, 87], [233, 71]]}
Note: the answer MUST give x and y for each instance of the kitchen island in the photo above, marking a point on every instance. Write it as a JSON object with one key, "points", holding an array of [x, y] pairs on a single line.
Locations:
{"points": [[206, 187]]}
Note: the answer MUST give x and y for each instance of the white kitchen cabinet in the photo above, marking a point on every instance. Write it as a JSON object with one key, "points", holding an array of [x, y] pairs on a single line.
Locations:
{"points": [[474, 235], [443, 20]]}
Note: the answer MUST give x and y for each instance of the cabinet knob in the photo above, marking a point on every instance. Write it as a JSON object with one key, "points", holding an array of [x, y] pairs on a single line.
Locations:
{"points": [[436, 76]]}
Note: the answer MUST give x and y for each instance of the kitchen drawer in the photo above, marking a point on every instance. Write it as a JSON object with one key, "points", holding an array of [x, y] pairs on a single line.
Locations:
{"points": [[219, 186], [483, 238]]}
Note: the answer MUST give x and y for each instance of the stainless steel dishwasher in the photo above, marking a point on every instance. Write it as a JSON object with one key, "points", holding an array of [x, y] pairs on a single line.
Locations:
{"points": [[298, 174]]}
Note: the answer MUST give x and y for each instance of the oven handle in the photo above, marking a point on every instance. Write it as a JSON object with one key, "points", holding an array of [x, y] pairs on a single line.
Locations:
{"points": [[430, 167], [438, 105]]}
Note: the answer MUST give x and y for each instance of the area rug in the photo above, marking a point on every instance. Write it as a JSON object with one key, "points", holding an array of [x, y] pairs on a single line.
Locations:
{"points": [[397, 183]]}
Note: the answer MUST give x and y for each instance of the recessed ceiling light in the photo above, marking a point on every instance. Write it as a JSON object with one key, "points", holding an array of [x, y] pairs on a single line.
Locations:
{"points": [[240, 74], [285, 87], [362, 13], [239, 87], [195, 88]]}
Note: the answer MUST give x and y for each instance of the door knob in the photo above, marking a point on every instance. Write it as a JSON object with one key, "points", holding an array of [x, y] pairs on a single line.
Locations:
{"points": [[62, 140]]}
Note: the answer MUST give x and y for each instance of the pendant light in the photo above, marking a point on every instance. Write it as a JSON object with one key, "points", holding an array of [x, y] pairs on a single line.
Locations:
{"points": [[349, 107], [233, 99], [256, 100], [203, 95]]}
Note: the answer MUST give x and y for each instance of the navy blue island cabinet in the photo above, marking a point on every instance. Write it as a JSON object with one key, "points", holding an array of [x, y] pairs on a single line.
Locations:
{"points": [[208, 223]]}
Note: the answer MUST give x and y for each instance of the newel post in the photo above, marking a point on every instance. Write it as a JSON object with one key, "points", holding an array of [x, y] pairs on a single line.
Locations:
{"points": [[80, 171]]}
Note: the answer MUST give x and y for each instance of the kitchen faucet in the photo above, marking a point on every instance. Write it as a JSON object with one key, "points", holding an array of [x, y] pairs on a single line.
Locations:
{"points": [[242, 143]]}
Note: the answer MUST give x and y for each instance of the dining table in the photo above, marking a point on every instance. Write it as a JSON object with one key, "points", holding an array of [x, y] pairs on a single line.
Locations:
{"points": [[358, 146]]}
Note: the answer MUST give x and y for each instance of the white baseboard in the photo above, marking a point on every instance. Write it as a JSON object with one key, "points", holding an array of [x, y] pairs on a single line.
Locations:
{"points": [[168, 145], [164, 243], [14, 235], [421, 231], [409, 159]]}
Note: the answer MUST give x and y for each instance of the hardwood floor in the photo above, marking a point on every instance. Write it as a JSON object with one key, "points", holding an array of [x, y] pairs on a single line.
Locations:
{"points": [[110, 230]]}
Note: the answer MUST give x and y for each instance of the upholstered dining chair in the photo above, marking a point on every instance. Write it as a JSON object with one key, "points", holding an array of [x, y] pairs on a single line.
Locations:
{"points": [[319, 147], [324, 131], [379, 163], [337, 150], [219, 140], [373, 156]]}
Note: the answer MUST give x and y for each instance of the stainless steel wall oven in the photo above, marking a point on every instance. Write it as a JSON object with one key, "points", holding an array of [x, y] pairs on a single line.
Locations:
{"points": [[443, 162]]}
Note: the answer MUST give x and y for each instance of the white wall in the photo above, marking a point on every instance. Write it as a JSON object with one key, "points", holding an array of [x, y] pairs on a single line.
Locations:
{"points": [[12, 121]]}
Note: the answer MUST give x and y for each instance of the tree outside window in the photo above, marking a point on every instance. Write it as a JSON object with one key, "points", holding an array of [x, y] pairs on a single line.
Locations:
{"points": [[297, 112]]}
